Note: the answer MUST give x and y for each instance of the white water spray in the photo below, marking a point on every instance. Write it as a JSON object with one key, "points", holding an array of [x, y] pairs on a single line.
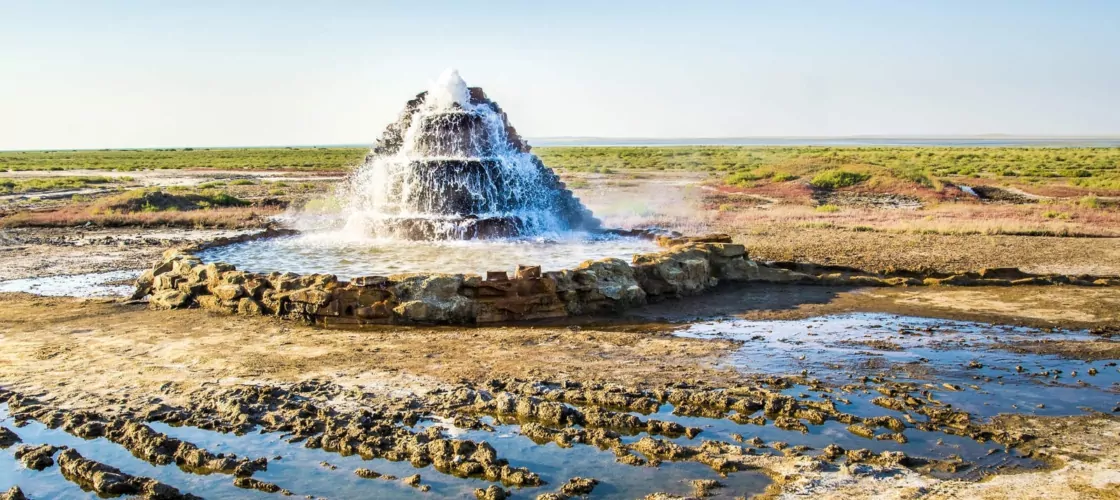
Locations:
{"points": [[452, 167]]}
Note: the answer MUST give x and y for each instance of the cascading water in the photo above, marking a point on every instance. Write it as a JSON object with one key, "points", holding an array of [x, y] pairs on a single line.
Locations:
{"points": [[452, 167], [449, 187]]}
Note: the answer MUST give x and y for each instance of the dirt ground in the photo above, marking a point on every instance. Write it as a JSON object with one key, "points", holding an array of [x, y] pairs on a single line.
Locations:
{"points": [[108, 355], [114, 356]]}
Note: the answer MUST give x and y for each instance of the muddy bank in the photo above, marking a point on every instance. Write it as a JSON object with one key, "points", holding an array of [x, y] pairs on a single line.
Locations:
{"points": [[66, 251]]}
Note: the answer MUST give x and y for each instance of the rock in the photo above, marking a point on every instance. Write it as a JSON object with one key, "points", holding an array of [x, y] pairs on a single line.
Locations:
{"points": [[670, 241], [603, 285], [433, 299], [831, 452], [578, 486], [675, 273], [491, 493], [169, 299], [413, 480], [776, 275], [227, 291], [790, 424], [367, 473], [735, 269], [107, 480], [861, 431], [13, 493], [247, 306], [528, 272], [703, 487], [249, 483], [144, 284], [8, 438], [36, 457]]}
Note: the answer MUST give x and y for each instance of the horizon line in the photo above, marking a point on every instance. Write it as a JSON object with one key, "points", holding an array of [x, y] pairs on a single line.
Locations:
{"points": [[685, 141]]}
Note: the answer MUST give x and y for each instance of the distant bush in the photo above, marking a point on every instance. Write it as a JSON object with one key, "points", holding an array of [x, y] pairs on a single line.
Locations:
{"points": [[155, 200], [836, 178], [1090, 201], [830, 208]]}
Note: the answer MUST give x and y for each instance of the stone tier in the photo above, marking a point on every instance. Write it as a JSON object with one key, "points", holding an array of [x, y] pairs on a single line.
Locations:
{"points": [[459, 134], [457, 228], [450, 187]]}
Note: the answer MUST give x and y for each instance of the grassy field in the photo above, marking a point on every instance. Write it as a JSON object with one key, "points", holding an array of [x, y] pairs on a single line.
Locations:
{"points": [[881, 168], [9, 186], [306, 158], [833, 167]]}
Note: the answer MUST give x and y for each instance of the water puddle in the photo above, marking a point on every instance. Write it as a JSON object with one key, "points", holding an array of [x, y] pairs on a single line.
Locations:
{"points": [[50, 483], [105, 284], [320, 473], [324, 253], [991, 380]]}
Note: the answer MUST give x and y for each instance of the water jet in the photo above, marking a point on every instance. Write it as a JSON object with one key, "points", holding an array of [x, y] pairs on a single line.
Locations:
{"points": [[453, 167]]}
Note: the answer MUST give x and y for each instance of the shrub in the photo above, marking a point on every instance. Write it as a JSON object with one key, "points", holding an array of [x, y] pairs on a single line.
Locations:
{"points": [[829, 208], [1090, 201], [836, 178]]}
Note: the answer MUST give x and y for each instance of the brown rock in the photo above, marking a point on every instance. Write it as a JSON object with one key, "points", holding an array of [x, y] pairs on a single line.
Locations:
{"points": [[13, 493], [577, 486], [169, 299], [36, 457], [106, 480], [491, 493], [8, 438]]}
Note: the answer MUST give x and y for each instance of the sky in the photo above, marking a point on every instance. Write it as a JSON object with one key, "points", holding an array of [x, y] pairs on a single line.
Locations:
{"points": [[111, 74]]}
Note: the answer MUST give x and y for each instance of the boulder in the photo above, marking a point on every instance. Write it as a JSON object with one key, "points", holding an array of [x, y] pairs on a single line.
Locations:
{"points": [[169, 299], [675, 273], [599, 285], [433, 298], [144, 284]]}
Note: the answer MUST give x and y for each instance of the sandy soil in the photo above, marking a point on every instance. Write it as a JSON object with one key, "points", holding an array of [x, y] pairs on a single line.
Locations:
{"points": [[937, 252], [109, 356]]}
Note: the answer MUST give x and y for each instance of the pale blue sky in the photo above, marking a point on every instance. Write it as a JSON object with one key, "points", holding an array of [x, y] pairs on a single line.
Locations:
{"points": [[92, 74]]}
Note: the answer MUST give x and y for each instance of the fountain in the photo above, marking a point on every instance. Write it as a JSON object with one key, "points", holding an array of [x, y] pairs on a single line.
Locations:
{"points": [[448, 194], [452, 167]]}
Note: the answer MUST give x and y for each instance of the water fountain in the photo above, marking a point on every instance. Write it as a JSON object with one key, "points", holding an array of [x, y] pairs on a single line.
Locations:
{"points": [[449, 186], [452, 167]]}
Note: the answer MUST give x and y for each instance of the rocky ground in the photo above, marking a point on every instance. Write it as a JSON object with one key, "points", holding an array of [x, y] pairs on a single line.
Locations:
{"points": [[63, 358], [100, 368]]}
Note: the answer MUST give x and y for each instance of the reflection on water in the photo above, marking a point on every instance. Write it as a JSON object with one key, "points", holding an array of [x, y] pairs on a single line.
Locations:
{"points": [[307, 471], [325, 253], [845, 348]]}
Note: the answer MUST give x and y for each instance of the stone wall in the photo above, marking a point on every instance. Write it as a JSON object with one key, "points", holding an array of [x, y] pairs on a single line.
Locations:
{"points": [[688, 266]]}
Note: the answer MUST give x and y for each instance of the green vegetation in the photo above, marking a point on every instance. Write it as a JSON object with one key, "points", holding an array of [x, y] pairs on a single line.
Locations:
{"points": [[309, 158], [829, 208], [1088, 168], [19, 185], [836, 178], [1090, 201], [1093, 168], [155, 200]]}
